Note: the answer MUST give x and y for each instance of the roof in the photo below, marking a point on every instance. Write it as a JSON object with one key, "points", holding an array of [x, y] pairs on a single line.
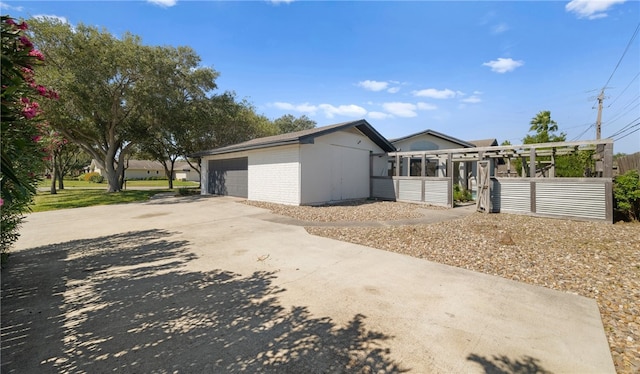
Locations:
{"points": [[151, 165], [144, 165], [437, 134], [484, 142], [303, 137]]}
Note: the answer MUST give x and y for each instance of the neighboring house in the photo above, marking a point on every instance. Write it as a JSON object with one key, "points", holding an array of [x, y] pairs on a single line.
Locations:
{"points": [[315, 166], [484, 142], [430, 140], [143, 169]]}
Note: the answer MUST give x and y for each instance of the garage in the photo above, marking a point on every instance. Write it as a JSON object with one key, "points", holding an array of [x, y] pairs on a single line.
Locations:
{"points": [[229, 177], [314, 166]]}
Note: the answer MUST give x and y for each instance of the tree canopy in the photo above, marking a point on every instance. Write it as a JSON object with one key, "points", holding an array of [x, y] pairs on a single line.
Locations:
{"points": [[115, 91], [544, 128], [289, 123]]}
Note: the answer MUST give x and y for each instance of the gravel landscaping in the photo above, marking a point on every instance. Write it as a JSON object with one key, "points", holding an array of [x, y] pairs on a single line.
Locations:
{"points": [[596, 260]]}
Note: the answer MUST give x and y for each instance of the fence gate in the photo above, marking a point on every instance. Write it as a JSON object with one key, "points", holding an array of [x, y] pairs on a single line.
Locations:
{"points": [[484, 187]]}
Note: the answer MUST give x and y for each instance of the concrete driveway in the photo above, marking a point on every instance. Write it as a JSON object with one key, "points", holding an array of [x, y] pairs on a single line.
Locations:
{"points": [[206, 284]]}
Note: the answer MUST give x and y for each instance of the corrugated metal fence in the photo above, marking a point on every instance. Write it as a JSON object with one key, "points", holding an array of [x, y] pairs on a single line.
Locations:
{"points": [[431, 190], [581, 198]]}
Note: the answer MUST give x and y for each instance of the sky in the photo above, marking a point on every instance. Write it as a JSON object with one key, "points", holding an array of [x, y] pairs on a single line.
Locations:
{"points": [[469, 69]]}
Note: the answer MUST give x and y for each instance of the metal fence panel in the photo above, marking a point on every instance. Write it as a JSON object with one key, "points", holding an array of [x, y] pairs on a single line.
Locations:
{"points": [[511, 195], [584, 200], [383, 188], [410, 190], [436, 192]]}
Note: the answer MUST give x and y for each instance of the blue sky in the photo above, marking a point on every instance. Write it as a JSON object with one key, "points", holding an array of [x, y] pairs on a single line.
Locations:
{"points": [[472, 70]]}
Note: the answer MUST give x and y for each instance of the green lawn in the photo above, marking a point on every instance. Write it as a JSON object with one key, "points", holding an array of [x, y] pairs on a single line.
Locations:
{"points": [[77, 198], [130, 184]]}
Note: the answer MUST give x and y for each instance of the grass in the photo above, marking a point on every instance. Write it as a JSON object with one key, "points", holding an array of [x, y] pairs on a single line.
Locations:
{"points": [[130, 184], [78, 198]]}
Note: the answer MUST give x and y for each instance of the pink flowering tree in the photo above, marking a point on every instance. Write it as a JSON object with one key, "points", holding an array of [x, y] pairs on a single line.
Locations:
{"points": [[23, 157]]}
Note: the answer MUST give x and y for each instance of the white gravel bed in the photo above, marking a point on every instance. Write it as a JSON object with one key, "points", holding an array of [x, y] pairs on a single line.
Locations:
{"points": [[596, 260], [358, 210]]}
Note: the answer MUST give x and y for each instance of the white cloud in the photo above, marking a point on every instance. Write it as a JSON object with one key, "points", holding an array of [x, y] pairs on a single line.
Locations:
{"points": [[499, 28], [329, 110], [373, 85], [5, 6], [477, 92], [277, 2], [503, 65], [379, 115], [401, 109], [163, 3], [472, 99], [302, 108], [51, 17], [343, 110], [393, 90], [591, 9], [435, 94], [426, 106]]}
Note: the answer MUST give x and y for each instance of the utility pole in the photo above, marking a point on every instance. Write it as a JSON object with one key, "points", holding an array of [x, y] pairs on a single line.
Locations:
{"points": [[599, 120]]}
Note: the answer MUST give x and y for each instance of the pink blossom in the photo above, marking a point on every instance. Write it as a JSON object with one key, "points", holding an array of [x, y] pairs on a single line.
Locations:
{"points": [[23, 26], [1, 202], [37, 54], [36, 138], [26, 42], [29, 113], [10, 21], [42, 90]]}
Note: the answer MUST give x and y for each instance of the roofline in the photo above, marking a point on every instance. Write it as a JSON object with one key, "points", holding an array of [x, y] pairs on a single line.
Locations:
{"points": [[362, 125], [437, 134]]}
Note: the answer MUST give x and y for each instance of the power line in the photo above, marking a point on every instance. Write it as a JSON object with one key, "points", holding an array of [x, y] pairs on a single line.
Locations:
{"points": [[623, 129], [584, 132], [635, 33], [623, 91], [632, 132], [601, 95], [622, 114]]}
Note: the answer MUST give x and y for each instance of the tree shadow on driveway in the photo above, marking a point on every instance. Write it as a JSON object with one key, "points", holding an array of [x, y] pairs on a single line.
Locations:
{"points": [[128, 303]]}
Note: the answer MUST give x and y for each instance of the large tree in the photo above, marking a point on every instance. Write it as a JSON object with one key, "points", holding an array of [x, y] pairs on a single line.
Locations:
{"points": [[114, 91], [289, 123], [544, 128], [222, 120]]}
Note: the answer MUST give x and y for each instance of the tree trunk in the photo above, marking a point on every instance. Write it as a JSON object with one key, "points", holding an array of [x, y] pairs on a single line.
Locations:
{"points": [[59, 171], [54, 174]]}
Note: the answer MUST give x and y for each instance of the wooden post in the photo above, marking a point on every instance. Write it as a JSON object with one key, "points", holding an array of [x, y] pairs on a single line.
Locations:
{"points": [[397, 165], [532, 163], [508, 166], [607, 164], [423, 166], [552, 170]]}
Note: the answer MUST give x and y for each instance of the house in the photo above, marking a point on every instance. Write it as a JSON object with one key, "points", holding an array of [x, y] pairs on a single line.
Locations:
{"points": [[428, 140], [147, 169], [484, 142], [315, 166], [431, 140]]}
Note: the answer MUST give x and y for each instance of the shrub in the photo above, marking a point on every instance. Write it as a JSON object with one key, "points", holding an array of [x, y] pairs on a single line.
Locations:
{"points": [[96, 178], [461, 194], [626, 193], [92, 177]]}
